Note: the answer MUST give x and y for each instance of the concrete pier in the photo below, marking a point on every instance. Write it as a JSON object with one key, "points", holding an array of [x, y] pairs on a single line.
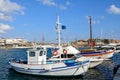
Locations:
{"points": [[117, 75]]}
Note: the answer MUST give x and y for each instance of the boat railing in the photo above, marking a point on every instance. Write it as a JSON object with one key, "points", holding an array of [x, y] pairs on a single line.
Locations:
{"points": [[38, 62], [47, 62]]}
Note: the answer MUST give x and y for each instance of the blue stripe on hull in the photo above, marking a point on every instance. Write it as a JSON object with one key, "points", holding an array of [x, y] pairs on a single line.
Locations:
{"points": [[91, 53]]}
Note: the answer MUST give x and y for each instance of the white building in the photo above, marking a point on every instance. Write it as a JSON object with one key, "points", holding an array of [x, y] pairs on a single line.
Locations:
{"points": [[2, 42], [13, 42]]}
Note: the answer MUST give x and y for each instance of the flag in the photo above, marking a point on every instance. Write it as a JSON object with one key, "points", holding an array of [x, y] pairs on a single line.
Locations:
{"points": [[63, 27]]}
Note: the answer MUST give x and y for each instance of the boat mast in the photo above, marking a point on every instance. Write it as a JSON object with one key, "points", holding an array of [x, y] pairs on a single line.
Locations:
{"points": [[91, 33], [58, 33]]}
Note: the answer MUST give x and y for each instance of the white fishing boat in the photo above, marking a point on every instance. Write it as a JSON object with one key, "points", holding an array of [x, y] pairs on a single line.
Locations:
{"points": [[38, 62], [94, 61]]}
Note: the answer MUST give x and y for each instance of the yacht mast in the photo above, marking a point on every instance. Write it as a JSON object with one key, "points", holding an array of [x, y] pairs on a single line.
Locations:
{"points": [[91, 42]]}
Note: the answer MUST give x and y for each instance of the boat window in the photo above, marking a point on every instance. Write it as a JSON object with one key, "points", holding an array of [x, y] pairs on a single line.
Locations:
{"points": [[44, 52], [32, 54], [41, 53]]}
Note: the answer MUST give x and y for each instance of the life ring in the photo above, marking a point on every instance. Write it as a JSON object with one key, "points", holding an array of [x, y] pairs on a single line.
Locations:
{"points": [[55, 53], [64, 51]]}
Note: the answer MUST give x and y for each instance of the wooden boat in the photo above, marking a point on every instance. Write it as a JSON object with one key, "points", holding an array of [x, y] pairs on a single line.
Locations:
{"points": [[93, 52], [103, 54], [95, 59]]}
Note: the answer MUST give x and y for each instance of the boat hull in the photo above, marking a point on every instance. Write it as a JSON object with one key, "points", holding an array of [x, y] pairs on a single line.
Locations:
{"points": [[95, 62], [103, 54], [108, 54], [49, 70]]}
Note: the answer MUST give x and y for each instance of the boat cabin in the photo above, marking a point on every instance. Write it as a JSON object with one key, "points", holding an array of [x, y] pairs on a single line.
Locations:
{"points": [[37, 56]]}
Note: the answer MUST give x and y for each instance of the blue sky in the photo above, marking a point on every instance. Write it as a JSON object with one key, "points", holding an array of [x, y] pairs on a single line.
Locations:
{"points": [[31, 19]]}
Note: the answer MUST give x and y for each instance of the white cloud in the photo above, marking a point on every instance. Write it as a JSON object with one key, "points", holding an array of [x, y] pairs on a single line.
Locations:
{"points": [[87, 17], [5, 17], [4, 27], [8, 8], [62, 7], [48, 2], [68, 3], [100, 17], [114, 10], [1, 31], [95, 20], [55, 4]]}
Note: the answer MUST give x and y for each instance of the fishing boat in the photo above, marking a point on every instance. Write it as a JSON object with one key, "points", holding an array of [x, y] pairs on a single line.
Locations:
{"points": [[38, 62], [111, 46], [70, 52], [104, 54]]}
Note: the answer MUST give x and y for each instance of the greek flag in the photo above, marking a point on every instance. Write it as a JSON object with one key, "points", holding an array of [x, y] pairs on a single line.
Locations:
{"points": [[63, 27]]}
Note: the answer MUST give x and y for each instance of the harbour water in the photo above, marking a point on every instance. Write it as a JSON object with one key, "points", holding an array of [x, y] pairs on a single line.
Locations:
{"points": [[104, 71]]}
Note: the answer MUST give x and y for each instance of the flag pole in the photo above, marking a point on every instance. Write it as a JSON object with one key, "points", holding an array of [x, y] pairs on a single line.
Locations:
{"points": [[59, 36]]}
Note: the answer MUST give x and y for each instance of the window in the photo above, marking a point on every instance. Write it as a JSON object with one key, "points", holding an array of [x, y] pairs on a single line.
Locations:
{"points": [[32, 54], [41, 53]]}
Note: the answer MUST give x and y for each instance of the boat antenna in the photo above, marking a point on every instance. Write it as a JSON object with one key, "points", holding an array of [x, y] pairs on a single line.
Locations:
{"points": [[58, 34]]}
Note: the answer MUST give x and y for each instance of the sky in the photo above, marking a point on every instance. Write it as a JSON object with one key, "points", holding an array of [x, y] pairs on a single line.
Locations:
{"points": [[33, 19]]}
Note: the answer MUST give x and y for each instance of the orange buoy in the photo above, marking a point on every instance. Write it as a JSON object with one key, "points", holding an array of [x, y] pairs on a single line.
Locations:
{"points": [[64, 51], [55, 53]]}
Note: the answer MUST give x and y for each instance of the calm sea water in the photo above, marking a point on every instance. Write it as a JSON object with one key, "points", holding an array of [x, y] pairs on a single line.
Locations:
{"points": [[99, 73]]}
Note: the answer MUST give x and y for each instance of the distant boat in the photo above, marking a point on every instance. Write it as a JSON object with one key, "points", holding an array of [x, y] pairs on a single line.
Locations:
{"points": [[103, 54], [111, 46]]}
